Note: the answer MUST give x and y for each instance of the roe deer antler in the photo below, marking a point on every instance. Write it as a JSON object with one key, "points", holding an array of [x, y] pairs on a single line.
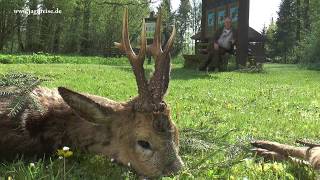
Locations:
{"points": [[136, 62], [151, 93], [160, 80]]}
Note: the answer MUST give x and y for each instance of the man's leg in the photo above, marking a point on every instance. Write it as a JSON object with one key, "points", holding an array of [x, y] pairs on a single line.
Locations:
{"points": [[214, 60], [211, 56], [221, 53], [204, 66]]}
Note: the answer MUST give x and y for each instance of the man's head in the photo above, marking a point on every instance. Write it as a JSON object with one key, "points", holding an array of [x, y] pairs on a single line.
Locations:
{"points": [[227, 23]]}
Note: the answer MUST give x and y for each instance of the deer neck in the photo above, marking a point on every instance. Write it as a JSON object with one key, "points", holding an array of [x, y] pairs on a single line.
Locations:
{"points": [[109, 139]]}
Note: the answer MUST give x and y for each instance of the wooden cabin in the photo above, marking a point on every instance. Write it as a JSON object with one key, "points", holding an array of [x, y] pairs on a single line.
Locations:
{"points": [[250, 42]]}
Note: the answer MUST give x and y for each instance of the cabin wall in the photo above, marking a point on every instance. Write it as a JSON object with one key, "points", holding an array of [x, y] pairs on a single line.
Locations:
{"points": [[215, 12]]}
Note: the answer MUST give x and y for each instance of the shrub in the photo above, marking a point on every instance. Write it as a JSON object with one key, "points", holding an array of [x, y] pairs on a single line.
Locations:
{"points": [[307, 53], [5, 61]]}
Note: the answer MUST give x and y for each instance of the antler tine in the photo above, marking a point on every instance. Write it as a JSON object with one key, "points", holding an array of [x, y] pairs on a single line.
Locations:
{"points": [[155, 49], [136, 61], [125, 38], [170, 41], [166, 68], [143, 45], [159, 82]]}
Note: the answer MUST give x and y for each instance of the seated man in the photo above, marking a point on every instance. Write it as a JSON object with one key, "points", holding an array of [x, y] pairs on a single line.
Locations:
{"points": [[222, 43]]}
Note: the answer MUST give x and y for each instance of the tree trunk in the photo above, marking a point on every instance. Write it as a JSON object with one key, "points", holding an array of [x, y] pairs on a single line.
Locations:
{"points": [[46, 27], [72, 43], [19, 24], [298, 7], [32, 29], [56, 40], [306, 14], [1, 45], [203, 20], [86, 25]]}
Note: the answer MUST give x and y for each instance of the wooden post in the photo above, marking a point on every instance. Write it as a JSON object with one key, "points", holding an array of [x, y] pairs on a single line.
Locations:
{"points": [[243, 28], [203, 20]]}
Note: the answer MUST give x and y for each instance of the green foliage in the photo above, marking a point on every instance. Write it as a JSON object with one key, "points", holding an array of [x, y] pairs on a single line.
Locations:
{"points": [[18, 87], [5, 61], [76, 168], [45, 58], [217, 114], [183, 22], [8, 19], [285, 35], [294, 38], [271, 42], [307, 51], [92, 25]]}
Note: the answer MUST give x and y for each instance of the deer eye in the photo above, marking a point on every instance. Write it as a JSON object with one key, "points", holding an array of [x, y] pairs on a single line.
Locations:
{"points": [[144, 144]]}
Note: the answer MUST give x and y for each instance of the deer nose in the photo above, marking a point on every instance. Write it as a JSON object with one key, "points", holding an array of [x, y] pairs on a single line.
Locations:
{"points": [[174, 167]]}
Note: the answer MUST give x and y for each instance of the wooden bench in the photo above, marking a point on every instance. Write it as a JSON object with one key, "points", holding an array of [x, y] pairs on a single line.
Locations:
{"points": [[113, 52], [194, 61], [256, 54]]}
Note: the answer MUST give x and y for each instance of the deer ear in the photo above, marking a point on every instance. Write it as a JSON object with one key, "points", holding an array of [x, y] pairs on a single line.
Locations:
{"points": [[86, 107]]}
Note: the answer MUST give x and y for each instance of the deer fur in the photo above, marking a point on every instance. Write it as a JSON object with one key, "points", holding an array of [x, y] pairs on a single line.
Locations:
{"points": [[138, 133]]}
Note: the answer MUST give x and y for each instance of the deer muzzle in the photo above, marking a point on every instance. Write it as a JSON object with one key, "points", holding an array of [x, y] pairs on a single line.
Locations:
{"points": [[174, 167]]}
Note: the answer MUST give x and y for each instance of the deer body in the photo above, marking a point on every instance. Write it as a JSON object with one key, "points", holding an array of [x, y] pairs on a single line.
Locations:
{"points": [[138, 133], [44, 133]]}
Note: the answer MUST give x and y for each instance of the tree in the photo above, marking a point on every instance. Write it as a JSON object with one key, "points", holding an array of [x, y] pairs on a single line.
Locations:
{"points": [[72, 35], [167, 15], [183, 24], [270, 42], [306, 15], [196, 12], [46, 26], [85, 43], [32, 29], [286, 29], [84, 26], [298, 12], [9, 20]]}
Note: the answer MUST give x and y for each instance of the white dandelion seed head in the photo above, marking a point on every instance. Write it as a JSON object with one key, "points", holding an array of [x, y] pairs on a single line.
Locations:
{"points": [[32, 164]]}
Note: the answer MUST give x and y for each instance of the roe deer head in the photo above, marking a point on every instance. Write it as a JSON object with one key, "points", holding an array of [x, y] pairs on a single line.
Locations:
{"points": [[138, 133]]}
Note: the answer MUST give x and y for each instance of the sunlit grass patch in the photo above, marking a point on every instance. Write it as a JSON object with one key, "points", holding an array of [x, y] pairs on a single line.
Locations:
{"points": [[217, 113]]}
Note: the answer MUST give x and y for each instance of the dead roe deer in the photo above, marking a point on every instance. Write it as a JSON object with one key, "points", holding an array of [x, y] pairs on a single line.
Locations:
{"points": [[139, 133]]}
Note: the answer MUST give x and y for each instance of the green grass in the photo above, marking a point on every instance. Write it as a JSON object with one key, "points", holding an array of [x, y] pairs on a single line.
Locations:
{"points": [[218, 114]]}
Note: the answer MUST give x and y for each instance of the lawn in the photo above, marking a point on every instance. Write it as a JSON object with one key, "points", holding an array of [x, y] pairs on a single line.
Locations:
{"points": [[217, 114]]}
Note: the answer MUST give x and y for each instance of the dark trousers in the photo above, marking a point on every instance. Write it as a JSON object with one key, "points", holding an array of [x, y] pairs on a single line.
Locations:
{"points": [[214, 59]]}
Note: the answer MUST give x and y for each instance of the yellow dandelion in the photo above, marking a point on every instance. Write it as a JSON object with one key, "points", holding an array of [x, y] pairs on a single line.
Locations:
{"points": [[64, 152]]}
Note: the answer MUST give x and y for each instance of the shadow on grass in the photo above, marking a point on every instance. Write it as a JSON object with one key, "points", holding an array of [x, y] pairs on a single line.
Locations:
{"points": [[187, 74], [179, 73]]}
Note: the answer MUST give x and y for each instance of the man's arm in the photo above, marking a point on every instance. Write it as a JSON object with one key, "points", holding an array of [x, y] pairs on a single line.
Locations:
{"points": [[217, 35]]}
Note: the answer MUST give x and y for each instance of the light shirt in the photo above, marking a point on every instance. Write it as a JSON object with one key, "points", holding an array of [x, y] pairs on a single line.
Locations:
{"points": [[225, 39]]}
